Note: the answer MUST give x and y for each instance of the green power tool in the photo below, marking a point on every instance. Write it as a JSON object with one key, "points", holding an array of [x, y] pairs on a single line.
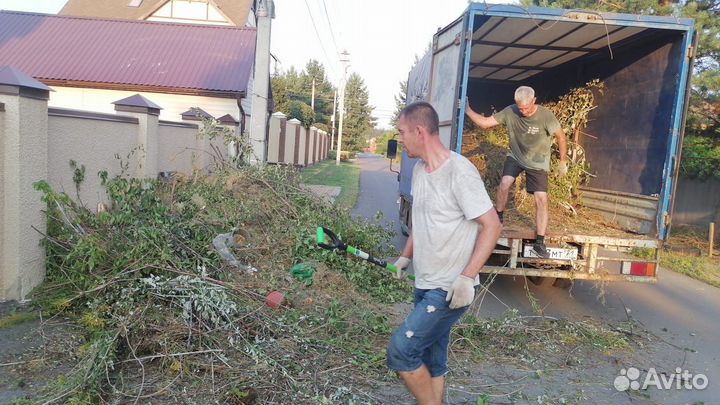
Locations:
{"points": [[328, 240]]}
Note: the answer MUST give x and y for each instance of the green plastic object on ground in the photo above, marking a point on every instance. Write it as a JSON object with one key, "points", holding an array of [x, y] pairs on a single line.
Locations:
{"points": [[303, 272]]}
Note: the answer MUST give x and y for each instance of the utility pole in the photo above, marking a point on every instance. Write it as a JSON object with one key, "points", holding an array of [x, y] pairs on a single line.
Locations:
{"points": [[332, 121], [344, 59], [312, 97], [258, 115]]}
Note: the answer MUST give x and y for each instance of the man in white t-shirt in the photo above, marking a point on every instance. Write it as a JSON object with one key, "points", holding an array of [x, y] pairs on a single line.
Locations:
{"points": [[454, 231]]}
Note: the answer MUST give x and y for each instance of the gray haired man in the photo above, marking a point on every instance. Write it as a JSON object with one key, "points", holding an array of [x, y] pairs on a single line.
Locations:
{"points": [[531, 128]]}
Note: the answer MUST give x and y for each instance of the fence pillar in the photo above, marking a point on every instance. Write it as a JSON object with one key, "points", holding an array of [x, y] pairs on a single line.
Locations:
{"points": [[316, 133], [198, 156], [326, 145], [313, 155], [229, 122], [276, 138], [309, 146], [147, 114], [23, 161], [292, 148], [323, 141]]}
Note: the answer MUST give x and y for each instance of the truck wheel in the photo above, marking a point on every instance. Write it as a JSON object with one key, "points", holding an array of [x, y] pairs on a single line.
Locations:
{"points": [[562, 283], [537, 280]]}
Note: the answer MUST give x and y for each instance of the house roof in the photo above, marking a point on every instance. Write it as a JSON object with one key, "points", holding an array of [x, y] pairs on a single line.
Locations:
{"points": [[228, 119], [195, 114], [137, 100], [10, 76], [128, 55], [236, 10]]}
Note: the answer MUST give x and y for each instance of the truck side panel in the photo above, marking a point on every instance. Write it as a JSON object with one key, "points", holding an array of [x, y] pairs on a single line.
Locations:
{"points": [[418, 89], [448, 46]]}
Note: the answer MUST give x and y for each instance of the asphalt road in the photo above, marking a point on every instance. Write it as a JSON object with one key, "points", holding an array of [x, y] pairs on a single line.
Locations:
{"points": [[684, 314]]}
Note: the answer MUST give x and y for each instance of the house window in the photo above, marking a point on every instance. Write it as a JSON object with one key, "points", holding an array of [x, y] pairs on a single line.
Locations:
{"points": [[191, 11]]}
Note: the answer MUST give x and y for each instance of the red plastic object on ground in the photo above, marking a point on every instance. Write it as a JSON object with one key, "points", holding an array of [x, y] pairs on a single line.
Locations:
{"points": [[275, 299]]}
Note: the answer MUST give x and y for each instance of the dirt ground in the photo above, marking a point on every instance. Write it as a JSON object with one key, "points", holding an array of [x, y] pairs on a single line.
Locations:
{"points": [[36, 352], [679, 312], [554, 375]]}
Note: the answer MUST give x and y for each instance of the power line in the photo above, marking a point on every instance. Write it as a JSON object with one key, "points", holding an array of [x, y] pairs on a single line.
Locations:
{"points": [[332, 32], [320, 39]]}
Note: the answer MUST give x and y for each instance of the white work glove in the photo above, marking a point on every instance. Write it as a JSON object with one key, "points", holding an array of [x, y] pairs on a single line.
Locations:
{"points": [[401, 263], [462, 292], [562, 168]]}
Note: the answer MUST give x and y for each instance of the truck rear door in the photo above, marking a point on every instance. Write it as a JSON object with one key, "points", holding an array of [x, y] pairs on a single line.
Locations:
{"points": [[448, 52]]}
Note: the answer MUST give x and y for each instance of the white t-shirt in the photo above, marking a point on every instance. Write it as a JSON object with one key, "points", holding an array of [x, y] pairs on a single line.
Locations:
{"points": [[445, 203]]}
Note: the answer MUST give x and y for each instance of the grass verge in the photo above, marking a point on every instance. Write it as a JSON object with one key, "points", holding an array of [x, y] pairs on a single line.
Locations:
{"points": [[346, 176], [701, 268], [17, 318], [686, 253]]}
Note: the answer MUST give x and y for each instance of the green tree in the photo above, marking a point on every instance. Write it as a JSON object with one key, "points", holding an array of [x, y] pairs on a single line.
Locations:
{"points": [[704, 110], [292, 93], [285, 88], [302, 112], [400, 101], [324, 93], [358, 121]]}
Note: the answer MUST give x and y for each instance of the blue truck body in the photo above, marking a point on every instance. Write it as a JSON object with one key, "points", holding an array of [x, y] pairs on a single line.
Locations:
{"points": [[634, 137]]}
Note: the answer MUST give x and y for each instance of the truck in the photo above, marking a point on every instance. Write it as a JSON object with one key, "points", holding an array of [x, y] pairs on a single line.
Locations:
{"points": [[645, 63]]}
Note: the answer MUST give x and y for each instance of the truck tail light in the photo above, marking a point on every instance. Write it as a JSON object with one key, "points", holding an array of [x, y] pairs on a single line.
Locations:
{"points": [[639, 268]]}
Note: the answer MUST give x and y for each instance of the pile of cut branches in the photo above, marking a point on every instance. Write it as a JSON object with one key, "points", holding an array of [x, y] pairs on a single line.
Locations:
{"points": [[167, 317]]}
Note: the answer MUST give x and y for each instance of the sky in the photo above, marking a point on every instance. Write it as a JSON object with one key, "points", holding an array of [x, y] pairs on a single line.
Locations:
{"points": [[383, 37]]}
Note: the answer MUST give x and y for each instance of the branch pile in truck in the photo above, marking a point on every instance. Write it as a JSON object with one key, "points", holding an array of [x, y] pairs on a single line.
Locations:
{"points": [[487, 150]]}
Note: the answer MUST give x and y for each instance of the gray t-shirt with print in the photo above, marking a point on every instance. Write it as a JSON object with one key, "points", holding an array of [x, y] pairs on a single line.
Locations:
{"points": [[530, 137], [445, 204]]}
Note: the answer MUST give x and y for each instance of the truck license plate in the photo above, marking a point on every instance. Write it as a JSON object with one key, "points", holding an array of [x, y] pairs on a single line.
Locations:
{"points": [[556, 253]]}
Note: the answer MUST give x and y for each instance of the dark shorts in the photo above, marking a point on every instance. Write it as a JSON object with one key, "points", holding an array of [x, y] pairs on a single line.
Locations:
{"points": [[535, 180]]}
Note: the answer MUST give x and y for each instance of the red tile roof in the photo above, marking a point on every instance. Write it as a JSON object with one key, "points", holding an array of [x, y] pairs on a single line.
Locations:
{"points": [[164, 56]]}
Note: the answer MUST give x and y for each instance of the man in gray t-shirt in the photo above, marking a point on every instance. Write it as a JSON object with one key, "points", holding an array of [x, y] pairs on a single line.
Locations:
{"points": [[454, 232], [531, 128]]}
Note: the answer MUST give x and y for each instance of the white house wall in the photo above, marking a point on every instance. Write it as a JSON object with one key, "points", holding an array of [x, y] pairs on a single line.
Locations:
{"points": [[173, 104], [247, 101], [190, 12]]}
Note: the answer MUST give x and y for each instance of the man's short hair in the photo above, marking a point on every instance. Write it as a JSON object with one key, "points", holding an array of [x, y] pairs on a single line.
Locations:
{"points": [[423, 114], [524, 95]]}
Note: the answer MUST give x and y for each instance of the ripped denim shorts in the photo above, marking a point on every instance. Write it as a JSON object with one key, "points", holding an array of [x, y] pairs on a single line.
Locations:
{"points": [[424, 336]]}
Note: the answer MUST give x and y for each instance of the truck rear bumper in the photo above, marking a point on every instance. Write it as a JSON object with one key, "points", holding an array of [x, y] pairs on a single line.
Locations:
{"points": [[600, 258], [568, 274]]}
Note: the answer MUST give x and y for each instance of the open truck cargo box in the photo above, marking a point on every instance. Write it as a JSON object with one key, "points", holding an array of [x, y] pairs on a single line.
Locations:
{"points": [[634, 136]]}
